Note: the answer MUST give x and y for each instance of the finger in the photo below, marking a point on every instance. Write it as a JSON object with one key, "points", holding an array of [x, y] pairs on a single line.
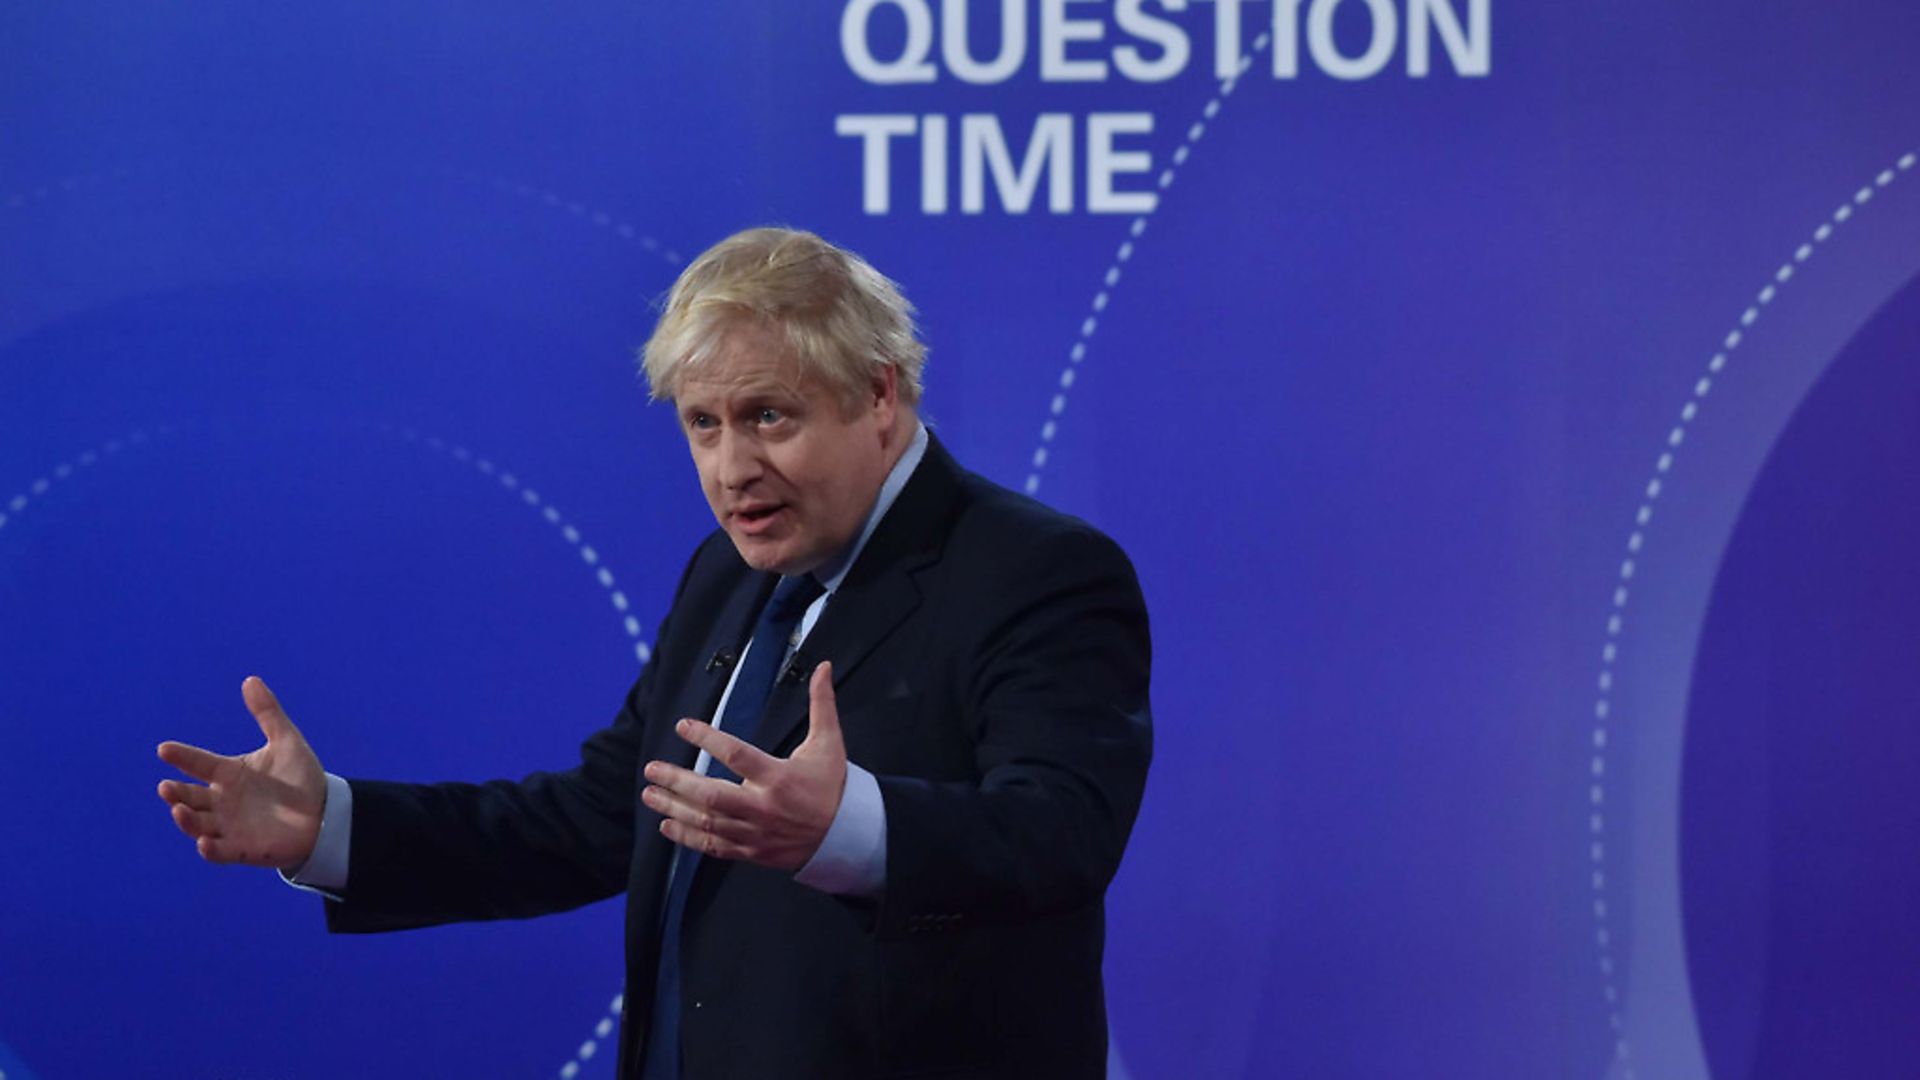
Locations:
{"points": [[195, 762], [191, 795], [705, 843], [823, 715], [195, 823], [266, 709], [217, 850], [696, 817], [746, 760], [709, 792]]}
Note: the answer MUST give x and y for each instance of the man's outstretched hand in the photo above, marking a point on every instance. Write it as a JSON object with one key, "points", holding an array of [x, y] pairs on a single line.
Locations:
{"points": [[261, 808], [780, 811]]}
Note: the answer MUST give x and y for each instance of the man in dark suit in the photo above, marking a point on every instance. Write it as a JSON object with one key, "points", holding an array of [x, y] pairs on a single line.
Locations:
{"points": [[866, 797]]}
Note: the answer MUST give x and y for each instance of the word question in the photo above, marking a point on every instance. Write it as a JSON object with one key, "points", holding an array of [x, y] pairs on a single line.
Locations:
{"points": [[1096, 161]]}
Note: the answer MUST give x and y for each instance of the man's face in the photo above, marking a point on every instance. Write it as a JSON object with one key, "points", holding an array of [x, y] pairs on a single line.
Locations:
{"points": [[788, 471]]}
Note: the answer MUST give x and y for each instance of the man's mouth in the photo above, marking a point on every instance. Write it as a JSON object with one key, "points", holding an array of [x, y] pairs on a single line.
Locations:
{"points": [[753, 519]]}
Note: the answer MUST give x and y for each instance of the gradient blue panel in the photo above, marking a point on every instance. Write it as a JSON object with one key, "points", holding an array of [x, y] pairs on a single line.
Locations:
{"points": [[1374, 396], [1802, 745]]}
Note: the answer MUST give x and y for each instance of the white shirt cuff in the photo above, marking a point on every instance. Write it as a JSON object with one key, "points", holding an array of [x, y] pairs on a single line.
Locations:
{"points": [[325, 871], [852, 860]]}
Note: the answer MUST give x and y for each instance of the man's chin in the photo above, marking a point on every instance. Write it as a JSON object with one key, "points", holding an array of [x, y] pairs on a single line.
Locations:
{"points": [[769, 556]]}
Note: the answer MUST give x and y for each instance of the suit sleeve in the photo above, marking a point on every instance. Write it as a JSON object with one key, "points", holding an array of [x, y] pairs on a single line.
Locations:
{"points": [[1056, 697], [426, 854]]}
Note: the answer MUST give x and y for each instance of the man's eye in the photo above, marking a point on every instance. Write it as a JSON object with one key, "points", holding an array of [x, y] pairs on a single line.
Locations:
{"points": [[771, 416], [699, 422]]}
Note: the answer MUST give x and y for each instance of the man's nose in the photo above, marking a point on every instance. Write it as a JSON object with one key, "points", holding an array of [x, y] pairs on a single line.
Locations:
{"points": [[740, 460]]}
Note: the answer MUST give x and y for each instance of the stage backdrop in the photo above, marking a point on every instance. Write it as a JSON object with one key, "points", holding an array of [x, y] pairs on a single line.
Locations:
{"points": [[1512, 409]]}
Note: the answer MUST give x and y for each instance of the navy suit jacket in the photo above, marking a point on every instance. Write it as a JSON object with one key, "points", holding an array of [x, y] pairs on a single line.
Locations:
{"points": [[990, 662]]}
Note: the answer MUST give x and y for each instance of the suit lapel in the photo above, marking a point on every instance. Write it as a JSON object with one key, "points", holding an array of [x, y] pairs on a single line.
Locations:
{"points": [[877, 594], [717, 656]]}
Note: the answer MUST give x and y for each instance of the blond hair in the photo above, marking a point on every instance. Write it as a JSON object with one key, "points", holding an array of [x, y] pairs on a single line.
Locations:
{"points": [[844, 320]]}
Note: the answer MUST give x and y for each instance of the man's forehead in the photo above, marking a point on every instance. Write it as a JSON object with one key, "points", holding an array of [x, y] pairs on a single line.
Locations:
{"points": [[736, 366]]}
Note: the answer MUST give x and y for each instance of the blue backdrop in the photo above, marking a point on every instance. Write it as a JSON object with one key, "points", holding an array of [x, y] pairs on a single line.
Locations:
{"points": [[1512, 410]]}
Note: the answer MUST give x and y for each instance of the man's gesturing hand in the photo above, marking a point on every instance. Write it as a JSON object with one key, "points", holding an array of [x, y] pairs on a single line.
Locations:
{"points": [[779, 812], [261, 808]]}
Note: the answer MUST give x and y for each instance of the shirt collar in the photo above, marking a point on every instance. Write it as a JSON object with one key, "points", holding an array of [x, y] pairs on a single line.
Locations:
{"points": [[832, 572]]}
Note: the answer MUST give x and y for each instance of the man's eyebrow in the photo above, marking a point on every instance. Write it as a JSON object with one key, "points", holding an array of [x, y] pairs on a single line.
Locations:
{"points": [[769, 390]]}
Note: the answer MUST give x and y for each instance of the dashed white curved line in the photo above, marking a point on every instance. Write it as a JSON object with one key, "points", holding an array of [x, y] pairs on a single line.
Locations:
{"points": [[590, 1047], [20, 200], [599, 219], [1111, 277], [548, 513], [40, 486], [1110, 280], [1629, 566]]}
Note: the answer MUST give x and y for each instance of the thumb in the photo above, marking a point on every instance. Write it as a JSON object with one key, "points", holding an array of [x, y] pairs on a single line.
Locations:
{"points": [[266, 709], [823, 716]]}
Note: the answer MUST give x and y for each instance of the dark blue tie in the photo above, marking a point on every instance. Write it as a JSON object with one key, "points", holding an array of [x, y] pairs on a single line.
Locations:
{"points": [[765, 655]]}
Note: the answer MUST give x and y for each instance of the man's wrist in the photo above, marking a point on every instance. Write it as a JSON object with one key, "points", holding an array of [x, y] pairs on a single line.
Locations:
{"points": [[325, 868], [852, 857]]}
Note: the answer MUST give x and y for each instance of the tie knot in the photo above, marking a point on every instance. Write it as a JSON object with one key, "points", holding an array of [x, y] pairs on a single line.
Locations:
{"points": [[791, 598]]}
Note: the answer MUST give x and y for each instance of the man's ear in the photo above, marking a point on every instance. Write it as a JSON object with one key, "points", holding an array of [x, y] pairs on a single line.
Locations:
{"points": [[883, 396]]}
